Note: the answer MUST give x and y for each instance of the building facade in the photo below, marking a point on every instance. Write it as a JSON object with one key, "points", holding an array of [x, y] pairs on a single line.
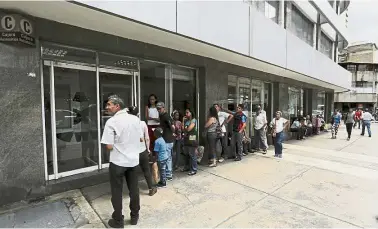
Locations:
{"points": [[362, 61], [61, 60]]}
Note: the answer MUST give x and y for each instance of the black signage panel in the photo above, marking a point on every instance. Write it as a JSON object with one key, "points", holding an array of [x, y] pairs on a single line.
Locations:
{"points": [[15, 28]]}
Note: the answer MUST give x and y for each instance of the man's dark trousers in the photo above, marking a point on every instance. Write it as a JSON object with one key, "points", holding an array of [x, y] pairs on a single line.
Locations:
{"points": [[117, 173]]}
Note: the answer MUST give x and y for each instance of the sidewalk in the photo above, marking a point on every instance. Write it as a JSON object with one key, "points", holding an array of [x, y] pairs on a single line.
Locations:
{"points": [[320, 182]]}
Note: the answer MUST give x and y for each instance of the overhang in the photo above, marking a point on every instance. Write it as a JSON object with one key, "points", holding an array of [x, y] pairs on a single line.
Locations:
{"points": [[83, 16]]}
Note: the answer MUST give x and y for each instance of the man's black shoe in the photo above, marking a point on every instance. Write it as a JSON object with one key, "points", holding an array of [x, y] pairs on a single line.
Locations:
{"points": [[115, 223], [134, 220]]}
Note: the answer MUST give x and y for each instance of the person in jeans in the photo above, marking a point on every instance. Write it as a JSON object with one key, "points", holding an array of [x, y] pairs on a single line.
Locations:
{"points": [[160, 149], [240, 122], [260, 130], [122, 138], [349, 122], [278, 126], [224, 118], [144, 162], [366, 120], [190, 141], [178, 140], [212, 136], [336, 121], [166, 123]]}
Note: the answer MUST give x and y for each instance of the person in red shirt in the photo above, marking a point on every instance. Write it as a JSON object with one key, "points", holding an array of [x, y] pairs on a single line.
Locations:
{"points": [[358, 116]]}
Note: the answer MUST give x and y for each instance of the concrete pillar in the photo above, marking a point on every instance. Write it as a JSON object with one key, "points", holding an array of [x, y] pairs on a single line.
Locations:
{"points": [[281, 13], [308, 96], [276, 97], [329, 106], [318, 33]]}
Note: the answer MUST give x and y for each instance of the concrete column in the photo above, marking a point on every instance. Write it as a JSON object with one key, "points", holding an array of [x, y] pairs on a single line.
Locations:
{"points": [[281, 13], [276, 97], [318, 33], [336, 49], [329, 106]]}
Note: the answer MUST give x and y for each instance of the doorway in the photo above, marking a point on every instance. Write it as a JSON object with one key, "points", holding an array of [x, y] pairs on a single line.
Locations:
{"points": [[74, 97]]}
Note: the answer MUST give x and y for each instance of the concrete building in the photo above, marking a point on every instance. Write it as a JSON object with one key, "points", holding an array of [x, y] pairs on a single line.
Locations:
{"points": [[362, 61], [60, 61]]}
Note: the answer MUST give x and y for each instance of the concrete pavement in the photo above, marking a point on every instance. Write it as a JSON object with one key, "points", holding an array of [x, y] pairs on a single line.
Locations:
{"points": [[320, 182]]}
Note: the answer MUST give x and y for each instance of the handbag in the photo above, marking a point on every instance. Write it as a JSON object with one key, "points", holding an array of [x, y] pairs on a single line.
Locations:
{"points": [[218, 130], [246, 139], [190, 138]]}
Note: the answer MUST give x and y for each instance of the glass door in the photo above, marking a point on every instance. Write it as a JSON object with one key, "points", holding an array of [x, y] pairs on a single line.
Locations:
{"points": [[114, 82], [71, 118]]}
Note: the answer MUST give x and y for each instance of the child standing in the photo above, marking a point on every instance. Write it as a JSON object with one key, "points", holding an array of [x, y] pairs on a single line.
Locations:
{"points": [[162, 156]]}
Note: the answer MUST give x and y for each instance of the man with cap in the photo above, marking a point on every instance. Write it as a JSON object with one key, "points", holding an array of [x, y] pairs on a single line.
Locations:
{"points": [[166, 123]]}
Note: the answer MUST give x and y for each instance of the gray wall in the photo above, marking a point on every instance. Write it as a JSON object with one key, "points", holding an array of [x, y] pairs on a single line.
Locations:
{"points": [[21, 150]]}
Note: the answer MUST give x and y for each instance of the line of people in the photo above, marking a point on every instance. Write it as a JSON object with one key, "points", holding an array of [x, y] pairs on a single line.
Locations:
{"points": [[351, 119], [168, 142]]}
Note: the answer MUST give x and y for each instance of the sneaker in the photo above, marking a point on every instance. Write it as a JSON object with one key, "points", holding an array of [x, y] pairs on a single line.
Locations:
{"points": [[279, 155], [214, 164], [264, 151], [244, 154], [275, 155], [169, 178], [191, 173], [152, 191], [237, 159], [221, 160], [348, 139], [134, 220], [115, 223], [161, 184]]}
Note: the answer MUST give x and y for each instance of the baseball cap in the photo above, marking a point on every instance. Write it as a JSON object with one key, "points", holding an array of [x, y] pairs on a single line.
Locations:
{"points": [[160, 105]]}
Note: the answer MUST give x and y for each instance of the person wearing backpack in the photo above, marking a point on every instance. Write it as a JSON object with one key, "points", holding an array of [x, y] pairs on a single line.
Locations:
{"points": [[213, 133]]}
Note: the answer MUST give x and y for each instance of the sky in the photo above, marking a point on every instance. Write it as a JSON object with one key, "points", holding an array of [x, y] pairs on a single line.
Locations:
{"points": [[363, 20]]}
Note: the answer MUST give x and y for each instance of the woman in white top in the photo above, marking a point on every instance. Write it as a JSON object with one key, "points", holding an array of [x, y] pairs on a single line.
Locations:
{"points": [[144, 161], [278, 125], [152, 118]]}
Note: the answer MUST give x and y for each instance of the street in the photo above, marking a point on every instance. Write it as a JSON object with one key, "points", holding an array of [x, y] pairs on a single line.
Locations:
{"points": [[320, 182]]}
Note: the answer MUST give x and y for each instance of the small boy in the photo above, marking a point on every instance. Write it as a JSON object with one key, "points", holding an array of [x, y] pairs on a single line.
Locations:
{"points": [[162, 156]]}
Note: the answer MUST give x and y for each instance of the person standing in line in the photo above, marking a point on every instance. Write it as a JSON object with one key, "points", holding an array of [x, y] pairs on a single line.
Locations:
{"points": [[212, 135], [366, 121], [240, 122], [278, 125], [260, 130], [349, 122], [162, 156], [153, 121], [122, 138], [166, 123], [190, 142], [144, 152], [177, 146], [335, 122], [224, 119], [358, 116]]}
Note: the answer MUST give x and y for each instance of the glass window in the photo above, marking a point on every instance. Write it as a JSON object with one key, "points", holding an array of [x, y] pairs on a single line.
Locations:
{"points": [[232, 94], [351, 67], [75, 115], [295, 102], [271, 10], [326, 45], [152, 80], [183, 89], [301, 26]]}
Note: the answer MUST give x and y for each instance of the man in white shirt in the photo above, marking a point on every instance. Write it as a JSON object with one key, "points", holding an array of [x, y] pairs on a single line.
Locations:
{"points": [[122, 138], [224, 119], [278, 125], [260, 130], [366, 120]]}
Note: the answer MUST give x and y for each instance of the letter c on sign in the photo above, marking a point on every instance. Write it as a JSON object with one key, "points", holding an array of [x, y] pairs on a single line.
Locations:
{"points": [[26, 26], [8, 22]]}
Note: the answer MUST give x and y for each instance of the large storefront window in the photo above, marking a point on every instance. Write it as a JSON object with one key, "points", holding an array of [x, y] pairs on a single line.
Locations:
{"points": [[295, 102], [318, 104], [77, 85], [251, 93]]}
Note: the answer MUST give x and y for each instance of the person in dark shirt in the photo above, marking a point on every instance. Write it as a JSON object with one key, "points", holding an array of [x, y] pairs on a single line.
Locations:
{"points": [[166, 123]]}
